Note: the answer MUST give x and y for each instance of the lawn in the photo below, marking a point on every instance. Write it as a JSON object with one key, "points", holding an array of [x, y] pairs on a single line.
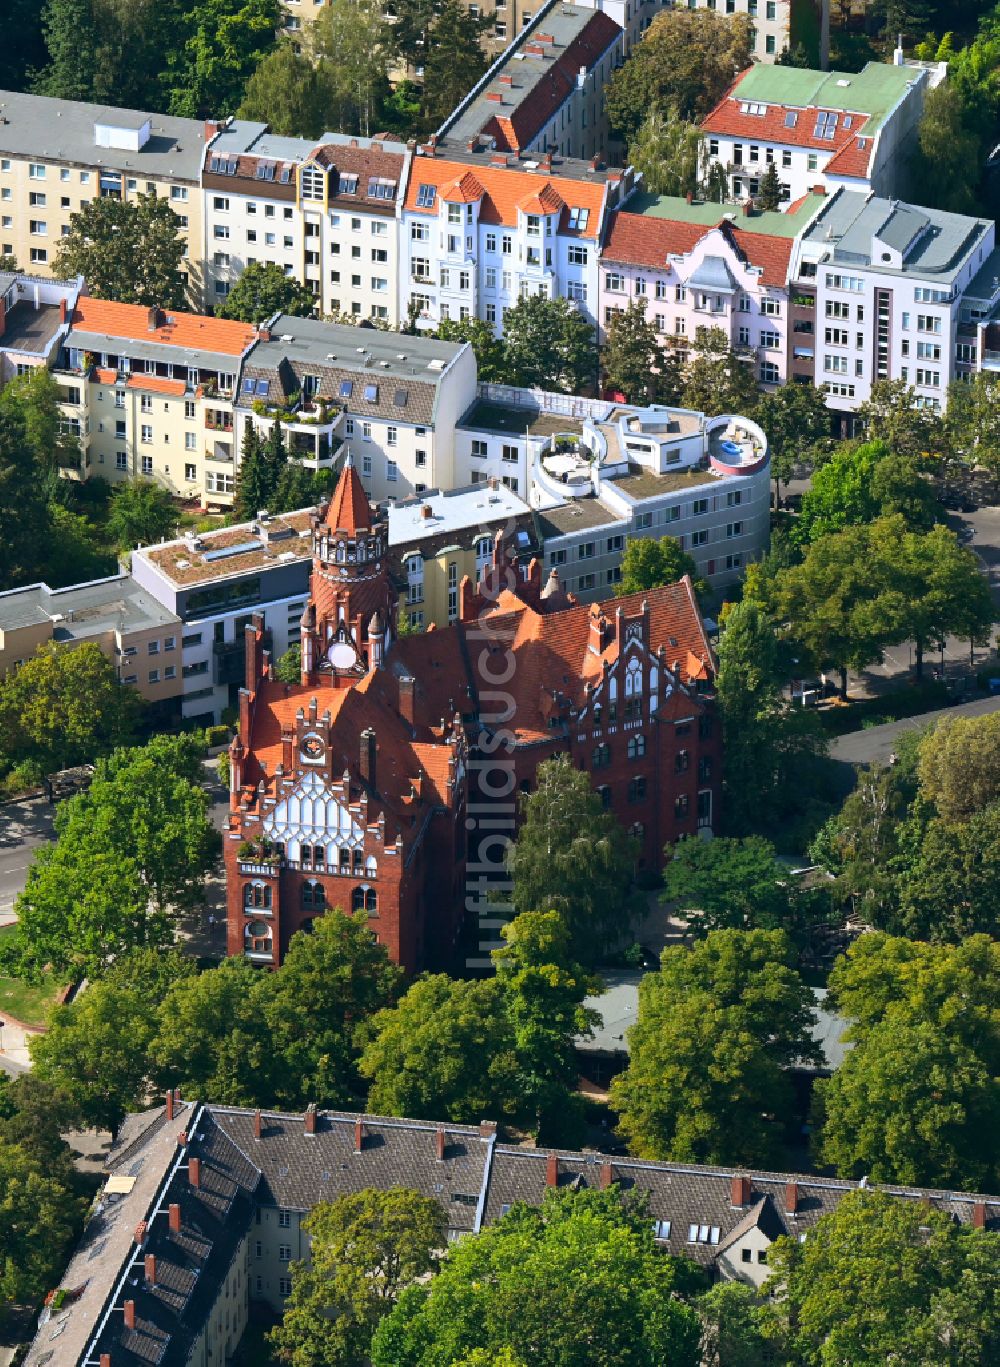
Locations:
{"points": [[23, 1000]]}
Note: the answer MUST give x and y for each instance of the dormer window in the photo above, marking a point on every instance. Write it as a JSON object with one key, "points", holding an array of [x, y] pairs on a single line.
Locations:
{"points": [[313, 181]]}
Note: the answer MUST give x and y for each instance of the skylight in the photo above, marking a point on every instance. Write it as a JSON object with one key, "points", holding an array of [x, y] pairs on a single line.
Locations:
{"points": [[791, 118], [578, 218], [426, 196], [346, 388], [371, 393], [826, 125]]}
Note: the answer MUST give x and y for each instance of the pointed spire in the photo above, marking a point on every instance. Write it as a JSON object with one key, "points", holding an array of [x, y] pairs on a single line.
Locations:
{"points": [[349, 509]]}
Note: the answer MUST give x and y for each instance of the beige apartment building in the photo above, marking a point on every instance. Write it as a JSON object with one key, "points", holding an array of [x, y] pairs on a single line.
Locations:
{"points": [[58, 155], [150, 393]]}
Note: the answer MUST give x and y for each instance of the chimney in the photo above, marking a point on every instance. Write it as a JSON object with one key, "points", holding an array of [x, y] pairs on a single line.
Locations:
{"points": [[263, 334], [689, 197], [194, 1172], [594, 163], [140, 1233], [170, 1105], [62, 310], [174, 1218], [472, 144], [440, 1144], [747, 208], [819, 189], [487, 1128], [740, 1190], [367, 756], [310, 1118], [211, 128], [607, 1176], [150, 1267], [552, 1170], [154, 319], [505, 80], [256, 1123], [979, 1215], [791, 1198], [359, 1135], [426, 511], [130, 1314], [105, 1360], [495, 97], [407, 700]]}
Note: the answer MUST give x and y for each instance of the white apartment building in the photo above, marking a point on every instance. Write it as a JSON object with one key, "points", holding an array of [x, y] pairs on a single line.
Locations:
{"points": [[479, 233], [326, 212], [890, 283], [58, 155], [833, 129], [770, 20]]}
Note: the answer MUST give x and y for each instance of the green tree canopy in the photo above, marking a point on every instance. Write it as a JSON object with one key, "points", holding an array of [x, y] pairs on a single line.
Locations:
{"points": [[549, 344], [365, 1249], [489, 350], [453, 60], [796, 419], [573, 857], [683, 65], [922, 1288], [891, 414], [579, 1280], [948, 157], [859, 483], [716, 379], [24, 516], [40, 1216], [353, 42], [959, 765], [445, 1051], [291, 94], [129, 251], [288, 668], [728, 883], [667, 150], [263, 290], [636, 362], [221, 44], [717, 1028], [142, 513], [649, 564]]}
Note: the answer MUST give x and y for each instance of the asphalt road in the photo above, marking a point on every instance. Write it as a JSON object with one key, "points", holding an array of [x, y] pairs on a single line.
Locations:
{"points": [[875, 744]]}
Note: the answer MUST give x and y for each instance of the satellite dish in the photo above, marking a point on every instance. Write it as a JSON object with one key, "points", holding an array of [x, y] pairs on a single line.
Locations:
{"points": [[342, 655]]}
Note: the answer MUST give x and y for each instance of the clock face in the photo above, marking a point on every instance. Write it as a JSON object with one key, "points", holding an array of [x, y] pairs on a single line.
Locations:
{"points": [[312, 747], [342, 655]]}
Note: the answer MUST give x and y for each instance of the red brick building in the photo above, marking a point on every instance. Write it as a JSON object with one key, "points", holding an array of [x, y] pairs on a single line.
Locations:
{"points": [[356, 787]]}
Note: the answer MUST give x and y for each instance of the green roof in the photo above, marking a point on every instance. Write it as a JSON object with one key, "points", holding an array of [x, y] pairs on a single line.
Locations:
{"points": [[707, 213], [873, 91]]}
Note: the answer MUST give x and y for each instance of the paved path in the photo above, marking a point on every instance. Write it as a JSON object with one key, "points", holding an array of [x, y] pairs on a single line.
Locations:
{"points": [[876, 743]]}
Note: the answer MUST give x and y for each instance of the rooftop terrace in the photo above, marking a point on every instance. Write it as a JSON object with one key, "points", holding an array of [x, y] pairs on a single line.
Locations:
{"points": [[496, 417], [707, 213], [234, 550]]}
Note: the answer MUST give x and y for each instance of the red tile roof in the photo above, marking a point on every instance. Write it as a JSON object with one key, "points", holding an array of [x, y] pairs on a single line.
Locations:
{"points": [[853, 160], [728, 119], [637, 240], [349, 509], [504, 190], [157, 384], [194, 331]]}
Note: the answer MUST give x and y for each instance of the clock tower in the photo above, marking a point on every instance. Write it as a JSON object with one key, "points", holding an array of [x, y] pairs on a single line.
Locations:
{"points": [[348, 623]]}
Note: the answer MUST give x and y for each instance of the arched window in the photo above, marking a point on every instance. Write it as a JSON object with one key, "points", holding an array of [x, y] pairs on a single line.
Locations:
{"points": [[604, 793], [257, 937], [358, 860], [633, 679], [365, 899], [637, 830], [257, 896], [313, 895], [371, 866], [636, 747]]}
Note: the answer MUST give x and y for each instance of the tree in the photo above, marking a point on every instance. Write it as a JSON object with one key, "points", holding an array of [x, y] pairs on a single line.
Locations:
{"points": [[130, 853], [648, 564], [64, 707], [973, 420], [635, 361], [717, 380], [891, 414], [223, 44], [445, 1050], [667, 151], [728, 883], [411, 31], [253, 486], [291, 94], [717, 1028], [453, 60], [211, 1039], [36, 397], [24, 50], [24, 517], [579, 1280], [549, 344], [142, 513], [795, 418], [683, 65], [288, 668], [947, 164], [365, 1249], [770, 189], [40, 1217], [735, 1328], [96, 1049], [959, 765], [263, 290], [774, 752], [128, 251], [573, 857], [924, 1289], [544, 990], [353, 42], [859, 483], [489, 350], [333, 979]]}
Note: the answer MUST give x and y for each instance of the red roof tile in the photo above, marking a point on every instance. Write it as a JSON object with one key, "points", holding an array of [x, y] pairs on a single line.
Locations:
{"points": [[190, 330], [728, 118], [504, 189], [853, 160], [157, 384], [349, 509], [635, 240]]}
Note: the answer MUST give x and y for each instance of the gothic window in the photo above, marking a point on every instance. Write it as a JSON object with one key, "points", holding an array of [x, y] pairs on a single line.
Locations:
{"points": [[345, 861], [257, 937], [601, 756], [313, 895], [633, 709], [637, 789], [637, 830], [704, 768], [636, 747], [633, 679], [682, 762], [704, 727], [371, 866], [604, 793], [364, 899], [308, 924], [257, 895], [682, 805]]}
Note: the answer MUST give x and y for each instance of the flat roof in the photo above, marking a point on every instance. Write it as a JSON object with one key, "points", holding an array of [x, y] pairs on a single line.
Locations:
{"points": [[486, 416], [577, 515], [642, 483], [707, 213], [873, 91], [48, 129], [191, 561], [986, 281], [454, 510], [29, 329], [382, 355], [941, 242], [90, 609]]}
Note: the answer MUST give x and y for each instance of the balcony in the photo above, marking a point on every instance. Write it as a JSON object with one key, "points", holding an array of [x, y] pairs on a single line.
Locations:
{"points": [[219, 451]]}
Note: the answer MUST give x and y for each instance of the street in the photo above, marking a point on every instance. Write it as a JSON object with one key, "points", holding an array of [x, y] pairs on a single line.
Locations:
{"points": [[875, 744]]}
